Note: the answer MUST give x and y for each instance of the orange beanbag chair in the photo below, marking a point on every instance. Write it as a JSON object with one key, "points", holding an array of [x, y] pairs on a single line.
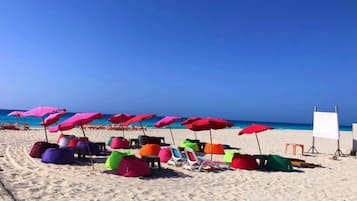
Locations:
{"points": [[214, 149], [150, 150]]}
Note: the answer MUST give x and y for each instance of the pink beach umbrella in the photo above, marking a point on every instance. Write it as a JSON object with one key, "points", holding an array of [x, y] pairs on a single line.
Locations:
{"points": [[78, 119], [166, 121], [52, 118], [15, 113], [120, 118], [41, 111], [190, 121], [139, 118]]}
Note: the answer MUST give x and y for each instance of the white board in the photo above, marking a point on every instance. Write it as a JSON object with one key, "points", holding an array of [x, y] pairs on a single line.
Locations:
{"points": [[326, 125]]}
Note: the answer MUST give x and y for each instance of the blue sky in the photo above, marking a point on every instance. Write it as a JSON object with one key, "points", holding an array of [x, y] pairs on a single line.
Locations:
{"points": [[244, 60]]}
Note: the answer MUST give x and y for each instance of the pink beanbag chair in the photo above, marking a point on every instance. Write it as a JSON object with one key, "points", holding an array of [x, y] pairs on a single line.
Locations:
{"points": [[130, 166], [165, 155], [119, 143], [246, 162], [150, 150]]}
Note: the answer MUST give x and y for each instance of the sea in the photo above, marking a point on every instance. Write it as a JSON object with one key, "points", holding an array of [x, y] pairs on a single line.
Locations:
{"points": [[35, 122]]}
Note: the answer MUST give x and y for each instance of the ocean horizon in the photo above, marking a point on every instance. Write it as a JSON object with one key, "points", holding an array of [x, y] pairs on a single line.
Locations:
{"points": [[35, 122]]}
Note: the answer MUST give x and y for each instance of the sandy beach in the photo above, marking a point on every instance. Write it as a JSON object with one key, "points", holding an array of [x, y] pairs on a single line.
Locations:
{"points": [[29, 179]]}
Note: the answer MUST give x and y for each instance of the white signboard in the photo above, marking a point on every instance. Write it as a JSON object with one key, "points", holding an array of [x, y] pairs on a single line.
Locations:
{"points": [[326, 125]]}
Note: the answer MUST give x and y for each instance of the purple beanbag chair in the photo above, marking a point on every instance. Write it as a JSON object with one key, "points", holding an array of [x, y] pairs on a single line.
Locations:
{"points": [[130, 166], [40, 147], [58, 155], [165, 154], [244, 161], [88, 146], [119, 143]]}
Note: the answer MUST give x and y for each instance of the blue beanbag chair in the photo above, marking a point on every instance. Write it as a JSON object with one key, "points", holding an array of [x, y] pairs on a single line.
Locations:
{"points": [[58, 155], [89, 146]]}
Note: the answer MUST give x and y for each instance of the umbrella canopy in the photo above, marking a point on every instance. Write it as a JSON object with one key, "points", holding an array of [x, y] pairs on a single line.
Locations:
{"points": [[15, 113], [78, 119], [41, 111], [139, 118], [166, 121], [255, 128], [120, 118], [190, 121], [52, 118], [208, 124]]}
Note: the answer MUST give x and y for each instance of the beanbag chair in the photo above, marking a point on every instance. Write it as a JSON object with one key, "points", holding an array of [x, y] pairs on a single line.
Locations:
{"points": [[150, 150], [88, 146], [165, 154], [115, 158], [189, 144], [109, 142], [214, 149], [58, 155], [278, 163], [119, 143], [59, 137], [40, 147], [64, 141], [72, 142], [130, 166], [228, 156], [244, 161]]}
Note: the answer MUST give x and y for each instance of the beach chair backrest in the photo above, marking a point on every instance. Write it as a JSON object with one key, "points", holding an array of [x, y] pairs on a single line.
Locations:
{"points": [[191, 156], [175, 152]]}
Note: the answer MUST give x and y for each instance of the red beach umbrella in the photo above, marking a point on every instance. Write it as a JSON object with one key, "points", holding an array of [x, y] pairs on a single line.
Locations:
{"points": [[139, 118], [189, 121], [209, 124], [41, 111], [255, 128], [166, 121], [120, 118]]}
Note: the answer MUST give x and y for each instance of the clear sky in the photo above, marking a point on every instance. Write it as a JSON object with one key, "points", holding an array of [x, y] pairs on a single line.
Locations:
{"points": [[244, 60]]}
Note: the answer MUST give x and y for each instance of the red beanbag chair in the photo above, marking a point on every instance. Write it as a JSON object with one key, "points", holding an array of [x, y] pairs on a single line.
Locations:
{"points": [[244, 161], [119, 143], [40, 147], [130, 166], [165, 155], [150, 150]]}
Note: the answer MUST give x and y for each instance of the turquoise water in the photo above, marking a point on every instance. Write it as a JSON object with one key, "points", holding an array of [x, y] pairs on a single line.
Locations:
{"points": [[35, 122]]}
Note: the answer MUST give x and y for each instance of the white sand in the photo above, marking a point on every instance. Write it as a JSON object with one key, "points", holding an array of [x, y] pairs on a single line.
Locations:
{"points": [[30, 179]]}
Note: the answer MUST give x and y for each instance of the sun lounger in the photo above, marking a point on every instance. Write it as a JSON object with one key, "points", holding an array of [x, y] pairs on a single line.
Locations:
{"points": [[177, 158], [194, 162]]}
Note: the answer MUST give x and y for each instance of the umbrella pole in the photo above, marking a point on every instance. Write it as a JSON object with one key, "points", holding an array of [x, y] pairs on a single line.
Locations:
{"points": [[44, 127], [122, 127], [90, 154], [142, 128], [260, 151], [83, 131], [210, 137], [172, 137]]}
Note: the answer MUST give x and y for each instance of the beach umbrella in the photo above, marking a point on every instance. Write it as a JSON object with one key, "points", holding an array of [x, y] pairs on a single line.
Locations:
{"points": [[41, 111], [255, 128], [17, 114], [139, 118], [79, 119], [209, 124], [52, 118], [166, 121], [120, 118], [190, 121]]}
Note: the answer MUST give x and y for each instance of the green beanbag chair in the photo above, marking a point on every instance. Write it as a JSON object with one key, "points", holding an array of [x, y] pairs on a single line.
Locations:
{"points": [[188, 144], [114, 159], [228, 156], [278, 163]]}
